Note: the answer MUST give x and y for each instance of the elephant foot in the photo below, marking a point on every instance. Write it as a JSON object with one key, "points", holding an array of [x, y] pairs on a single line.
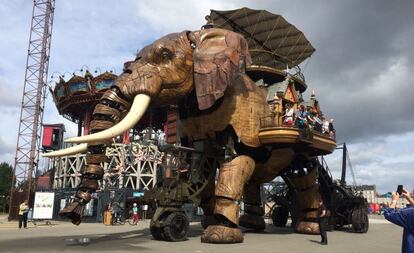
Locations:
{"points": [[252, 221], [307, 227], [208, 220], [221, 234], [74, 211]]}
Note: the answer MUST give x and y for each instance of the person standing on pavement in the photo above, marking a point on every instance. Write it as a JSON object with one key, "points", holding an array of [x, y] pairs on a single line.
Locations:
{"points": [[404, 218], [135, 217], [323, 222], [23, 211]]}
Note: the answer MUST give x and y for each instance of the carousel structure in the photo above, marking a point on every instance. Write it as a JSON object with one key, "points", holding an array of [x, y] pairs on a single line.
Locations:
{"points": [[76, 98], [130, 165]]}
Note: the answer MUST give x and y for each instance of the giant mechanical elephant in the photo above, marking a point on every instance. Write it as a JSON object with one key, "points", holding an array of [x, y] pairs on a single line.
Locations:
{"points": [[203, 72]]}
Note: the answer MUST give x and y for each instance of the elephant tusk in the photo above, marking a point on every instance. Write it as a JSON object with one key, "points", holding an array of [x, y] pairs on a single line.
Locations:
{"points": [[138, 108], [81, 148]]}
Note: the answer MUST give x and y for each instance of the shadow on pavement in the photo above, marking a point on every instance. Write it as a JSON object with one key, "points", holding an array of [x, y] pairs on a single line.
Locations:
{"points": [[270, 229], [99, 242], [315, 241], [106, 242]]}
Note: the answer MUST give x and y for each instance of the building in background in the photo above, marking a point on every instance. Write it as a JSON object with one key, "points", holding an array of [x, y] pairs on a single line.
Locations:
{"points": [[369, 192]]}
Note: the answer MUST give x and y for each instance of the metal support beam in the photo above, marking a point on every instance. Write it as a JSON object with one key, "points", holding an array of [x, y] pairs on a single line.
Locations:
{"points": [[343, 176], [131, 166]]}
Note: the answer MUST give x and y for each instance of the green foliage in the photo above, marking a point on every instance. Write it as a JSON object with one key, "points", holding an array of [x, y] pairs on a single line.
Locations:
{"points": [[6, 176]]}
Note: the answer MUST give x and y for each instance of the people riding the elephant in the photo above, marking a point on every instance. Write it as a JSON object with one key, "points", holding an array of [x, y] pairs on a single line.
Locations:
{"points": [[325, 125], [319, 124], [316, 121], [288, 116], [301, 114], [310, 117]]}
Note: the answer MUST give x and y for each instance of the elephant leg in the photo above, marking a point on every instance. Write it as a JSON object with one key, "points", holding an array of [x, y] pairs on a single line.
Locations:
{"points": [[279, 159], [253, 217], [306, 201], [207, 204], [229, 188]]}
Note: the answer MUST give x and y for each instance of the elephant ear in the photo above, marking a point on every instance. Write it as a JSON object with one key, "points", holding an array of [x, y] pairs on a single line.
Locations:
{"points": [[219, 59]]}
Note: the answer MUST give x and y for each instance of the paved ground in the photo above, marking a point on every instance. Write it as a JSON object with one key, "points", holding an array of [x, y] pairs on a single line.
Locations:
{"points": [[65, 237]]}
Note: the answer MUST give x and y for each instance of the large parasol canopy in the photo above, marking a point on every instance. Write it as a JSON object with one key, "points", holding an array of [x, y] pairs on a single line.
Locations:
{"points": [[273, 42]]}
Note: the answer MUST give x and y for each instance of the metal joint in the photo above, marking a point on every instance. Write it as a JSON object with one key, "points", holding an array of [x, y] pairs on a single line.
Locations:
{"points": [[84, 197]]}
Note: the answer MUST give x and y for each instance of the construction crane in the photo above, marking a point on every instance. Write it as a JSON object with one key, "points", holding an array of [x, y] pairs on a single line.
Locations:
{"points": [[33, 102]]}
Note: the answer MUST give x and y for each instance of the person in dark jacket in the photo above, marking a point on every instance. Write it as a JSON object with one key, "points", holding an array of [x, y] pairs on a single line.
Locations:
{"points": [[323, 222], [403, 217]]}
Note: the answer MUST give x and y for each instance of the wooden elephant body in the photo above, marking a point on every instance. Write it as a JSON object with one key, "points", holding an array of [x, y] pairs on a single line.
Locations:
{"points": [[204, 73]]}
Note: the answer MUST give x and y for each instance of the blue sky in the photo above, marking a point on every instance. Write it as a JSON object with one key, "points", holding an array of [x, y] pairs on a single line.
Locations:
{"points": [[361, 70]]}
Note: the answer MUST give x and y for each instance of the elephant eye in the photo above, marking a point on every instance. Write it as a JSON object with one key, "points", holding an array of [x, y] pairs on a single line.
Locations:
{"points": [[166, 54]]}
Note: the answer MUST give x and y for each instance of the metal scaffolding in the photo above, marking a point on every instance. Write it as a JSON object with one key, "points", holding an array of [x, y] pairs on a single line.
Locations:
{"points": [[130, 166], [33, 100]]}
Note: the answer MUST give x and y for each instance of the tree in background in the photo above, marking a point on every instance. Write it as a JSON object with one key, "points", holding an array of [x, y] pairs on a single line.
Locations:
{"points": [[6, 175]]}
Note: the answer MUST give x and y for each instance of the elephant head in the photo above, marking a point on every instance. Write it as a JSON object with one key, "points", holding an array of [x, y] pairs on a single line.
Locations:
{"points": [[207, 61]]}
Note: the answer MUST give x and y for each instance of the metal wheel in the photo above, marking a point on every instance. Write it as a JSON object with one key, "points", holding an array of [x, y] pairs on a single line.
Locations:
{"points": [[176, 227], [157, 233], [360, 222], [280, 215]]}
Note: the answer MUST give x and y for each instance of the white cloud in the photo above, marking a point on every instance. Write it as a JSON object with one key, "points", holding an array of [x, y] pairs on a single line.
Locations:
{"points": [[10, 95], [174, 16], [7, 151], [385, 162], [5, 147]]}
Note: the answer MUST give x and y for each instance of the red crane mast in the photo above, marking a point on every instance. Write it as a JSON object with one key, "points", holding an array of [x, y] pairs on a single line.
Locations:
{"points": [[33, 101]]}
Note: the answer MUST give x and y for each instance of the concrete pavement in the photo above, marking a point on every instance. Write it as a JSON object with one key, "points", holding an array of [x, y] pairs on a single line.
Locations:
{"points": [[65, 237]]}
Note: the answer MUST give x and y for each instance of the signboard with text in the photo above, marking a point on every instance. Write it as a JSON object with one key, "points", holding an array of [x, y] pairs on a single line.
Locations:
{"points": [[137, 194], [43, 205]]}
